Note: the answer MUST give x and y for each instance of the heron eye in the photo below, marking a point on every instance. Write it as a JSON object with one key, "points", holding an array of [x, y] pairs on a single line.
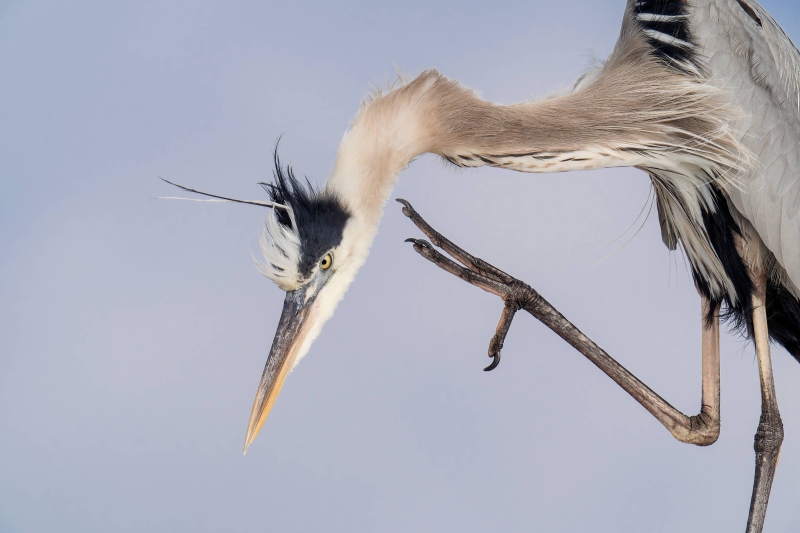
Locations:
{"points": [[326, 262]]}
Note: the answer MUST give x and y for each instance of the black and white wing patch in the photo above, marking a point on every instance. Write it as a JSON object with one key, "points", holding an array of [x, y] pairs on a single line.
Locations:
{"points": [[665, 24]]}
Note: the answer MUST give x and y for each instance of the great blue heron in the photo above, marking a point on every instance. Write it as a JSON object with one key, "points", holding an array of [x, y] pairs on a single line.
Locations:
{"points": [[703, 95]]}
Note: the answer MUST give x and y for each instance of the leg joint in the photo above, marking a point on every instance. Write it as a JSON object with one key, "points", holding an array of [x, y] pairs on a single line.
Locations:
{"points": [[520, 295], [769, 436], [701, 429]]}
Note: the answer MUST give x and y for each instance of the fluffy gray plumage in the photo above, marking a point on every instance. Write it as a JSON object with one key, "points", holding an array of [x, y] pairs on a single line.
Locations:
{"points": [[760, 67]]}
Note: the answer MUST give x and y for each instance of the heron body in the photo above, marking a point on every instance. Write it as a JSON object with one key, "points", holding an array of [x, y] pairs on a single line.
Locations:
{"points": [[703, 95]]}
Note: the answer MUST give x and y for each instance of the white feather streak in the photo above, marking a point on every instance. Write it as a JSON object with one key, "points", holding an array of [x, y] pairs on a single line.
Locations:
{"points": [[667, 39], [280, 247]]}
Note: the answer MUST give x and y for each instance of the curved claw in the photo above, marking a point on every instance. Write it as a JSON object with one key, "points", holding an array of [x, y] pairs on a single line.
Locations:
{"points": [[407, 209], [420, 242], [494, 363]]}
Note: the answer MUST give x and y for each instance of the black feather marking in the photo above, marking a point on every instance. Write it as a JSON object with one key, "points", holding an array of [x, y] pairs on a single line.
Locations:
{"points": [[783, 309], [722, 231], [514, 155], [534, 155], [676, 26], [750, 12], [783, 318], [320, 215]]}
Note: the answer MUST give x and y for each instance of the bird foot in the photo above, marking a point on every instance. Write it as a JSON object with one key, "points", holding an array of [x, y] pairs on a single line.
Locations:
{"points": [[516, 294]]}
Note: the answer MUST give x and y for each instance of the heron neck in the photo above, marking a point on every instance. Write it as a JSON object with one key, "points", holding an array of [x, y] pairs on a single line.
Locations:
{"points": [[613, 121], [434, 114], [386, 134]]}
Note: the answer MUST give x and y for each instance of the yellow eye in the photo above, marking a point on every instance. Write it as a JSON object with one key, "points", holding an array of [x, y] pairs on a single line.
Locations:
{"points": [[326, 262]]}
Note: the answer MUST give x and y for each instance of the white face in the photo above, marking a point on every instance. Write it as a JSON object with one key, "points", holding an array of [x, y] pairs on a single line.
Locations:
{"points": [[309, 304], [348, 258]]}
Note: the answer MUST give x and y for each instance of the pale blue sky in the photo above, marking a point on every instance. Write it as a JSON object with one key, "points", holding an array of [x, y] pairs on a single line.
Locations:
{"points": [[133, 332]]}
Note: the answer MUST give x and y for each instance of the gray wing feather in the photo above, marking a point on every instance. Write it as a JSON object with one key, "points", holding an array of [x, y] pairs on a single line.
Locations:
{"points": [[751, 55]]}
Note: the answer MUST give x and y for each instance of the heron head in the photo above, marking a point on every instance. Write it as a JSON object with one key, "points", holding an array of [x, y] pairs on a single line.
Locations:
{"points": [[312, 246]]}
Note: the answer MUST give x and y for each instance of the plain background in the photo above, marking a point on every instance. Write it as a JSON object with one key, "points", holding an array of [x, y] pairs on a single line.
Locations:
{"points": [[133, 332]]}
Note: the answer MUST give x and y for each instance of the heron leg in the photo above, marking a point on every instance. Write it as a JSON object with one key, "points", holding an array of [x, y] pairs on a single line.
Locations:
{"points": [[769, 436], [701, 429]]}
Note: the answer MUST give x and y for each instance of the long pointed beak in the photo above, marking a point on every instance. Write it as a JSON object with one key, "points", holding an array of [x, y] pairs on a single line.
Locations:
{"points": [[292, 330]]}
